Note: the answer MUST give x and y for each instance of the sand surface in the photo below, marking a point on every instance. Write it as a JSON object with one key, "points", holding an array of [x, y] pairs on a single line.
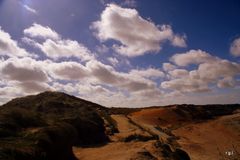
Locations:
{"points": [[117, 150], [208, 140]]}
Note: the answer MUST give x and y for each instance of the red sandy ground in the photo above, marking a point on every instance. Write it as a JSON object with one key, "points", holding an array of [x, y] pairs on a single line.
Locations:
{"points": [[205, 140]]}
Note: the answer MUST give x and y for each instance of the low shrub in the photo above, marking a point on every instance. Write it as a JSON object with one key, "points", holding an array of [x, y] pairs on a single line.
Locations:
{"points": [[138, 137]]}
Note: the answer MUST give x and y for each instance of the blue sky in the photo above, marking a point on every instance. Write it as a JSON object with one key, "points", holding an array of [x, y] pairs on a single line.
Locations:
{"points": [[127, 53]]}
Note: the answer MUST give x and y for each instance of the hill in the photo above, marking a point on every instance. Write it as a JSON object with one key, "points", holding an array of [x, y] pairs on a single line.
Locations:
{"points": [[47, 125], [54, 125]]}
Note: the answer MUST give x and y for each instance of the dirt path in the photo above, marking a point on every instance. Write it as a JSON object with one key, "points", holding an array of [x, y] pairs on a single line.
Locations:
{"points": [[113, 151], [118, 150], [201, 140], [126, 128]]}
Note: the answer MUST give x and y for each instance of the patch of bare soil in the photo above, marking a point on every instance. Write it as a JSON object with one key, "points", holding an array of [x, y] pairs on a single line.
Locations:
{"points": [[212, 139], [114, 151], [118, 149], [164, 117], [126, 128], [177, 137]]}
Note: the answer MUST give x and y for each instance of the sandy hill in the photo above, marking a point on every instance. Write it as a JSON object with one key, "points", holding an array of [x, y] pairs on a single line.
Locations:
{"points": [[57, 126]]}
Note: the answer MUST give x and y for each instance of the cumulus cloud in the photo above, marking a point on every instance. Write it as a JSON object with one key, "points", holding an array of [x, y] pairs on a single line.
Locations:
{"points": [[148, 73], [97, 73], [26, 75], [113, 60], [218, 69], [148, 94], [179, 73], [102, 83], [227, 82], [136, 35], [89, 89], [9, 92], [102, 49], [10, 47], [179, 41], [168, 67], [22, 70], [16, 89], [27, 71], [39, 31], [186, 85], [54, 46], [104, 73], [210, 70], [191, 57], [65, 48], [235, 47], [68, 70], [33, 87], [108, 75]]}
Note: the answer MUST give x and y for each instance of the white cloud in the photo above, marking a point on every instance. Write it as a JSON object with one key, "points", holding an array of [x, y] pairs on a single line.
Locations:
{"points": [[168, 67], [227, 82], [54, 46], [22, 70], [133, 88], [148, 73], [102, 83], [26, 75], [27, 71], [210, 70], [107, 75], [235, 47], [136, 35], [10, 47], [179, 73], [39, 31], [191, 57], [68, 70], [179, 41], [33, 87], [229, 97], [88, 89], [65, 48], [9, 92], [69, 87], [218, 69], [102, 49], [148, 94], [97, 73], [194, 74], [30, 9], [186, 85], [113, 60]]}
